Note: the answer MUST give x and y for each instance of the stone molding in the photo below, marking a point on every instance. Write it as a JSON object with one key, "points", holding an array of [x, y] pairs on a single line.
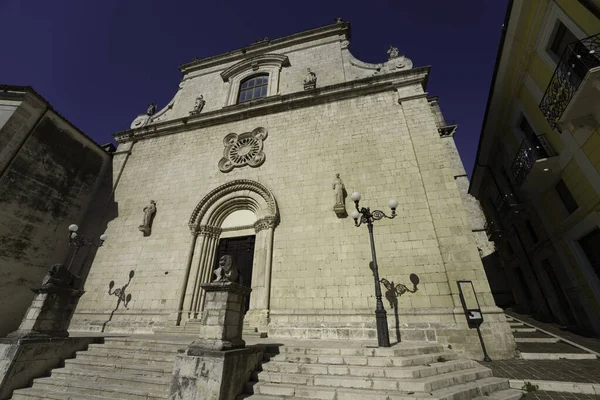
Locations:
{"points": [[279, 103], [253, 63], [337, 29], [230, 187]]}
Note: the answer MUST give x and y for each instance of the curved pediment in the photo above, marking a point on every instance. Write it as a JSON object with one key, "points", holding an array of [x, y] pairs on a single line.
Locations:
{"points": [[254, 63]]}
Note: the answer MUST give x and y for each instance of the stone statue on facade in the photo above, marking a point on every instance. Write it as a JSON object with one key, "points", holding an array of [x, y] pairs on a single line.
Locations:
{"points": [[310, 82], [198, 106], [393, 52], [225, 272], [149, 212], [151, 109], [339, 190]]}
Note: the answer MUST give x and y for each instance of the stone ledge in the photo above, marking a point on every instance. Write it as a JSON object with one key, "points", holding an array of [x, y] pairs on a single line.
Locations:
{"points": [[558, 386]]}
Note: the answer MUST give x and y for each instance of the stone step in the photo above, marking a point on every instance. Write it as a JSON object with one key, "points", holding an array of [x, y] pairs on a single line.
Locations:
{"points": [[110, 390], [507, 394], [364, 371], [536, 340], [427, 384], [33, 393], [523, 329], [130, 369], [119, 360], [115, 347], [463, 391], [401, 350], [515, 324], [420, 359], [169, 341], [102, 377]]}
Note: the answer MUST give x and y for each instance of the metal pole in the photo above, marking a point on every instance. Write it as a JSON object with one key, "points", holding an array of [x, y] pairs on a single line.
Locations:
{"points": [[485, 354], [383, 336], [73, 258]]}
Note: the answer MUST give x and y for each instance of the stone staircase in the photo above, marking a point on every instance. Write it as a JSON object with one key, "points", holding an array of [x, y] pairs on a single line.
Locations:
{"points": [[404, 371], [121, 368], [139, 368], [192, 327]]}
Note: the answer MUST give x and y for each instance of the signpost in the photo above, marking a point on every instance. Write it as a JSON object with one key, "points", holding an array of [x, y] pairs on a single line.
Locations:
{"points": [[473, 313]]}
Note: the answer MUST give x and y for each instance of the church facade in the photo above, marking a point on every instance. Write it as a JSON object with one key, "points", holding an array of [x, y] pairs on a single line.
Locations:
{"points": [[255, 157]]}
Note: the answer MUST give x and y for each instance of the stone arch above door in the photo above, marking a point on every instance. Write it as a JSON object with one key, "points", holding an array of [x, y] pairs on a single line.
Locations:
{"points": [[240, 194], [206, 226]]}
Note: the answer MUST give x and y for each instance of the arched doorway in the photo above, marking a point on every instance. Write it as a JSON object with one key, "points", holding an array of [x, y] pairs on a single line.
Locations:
{"points": [[238, 209]]}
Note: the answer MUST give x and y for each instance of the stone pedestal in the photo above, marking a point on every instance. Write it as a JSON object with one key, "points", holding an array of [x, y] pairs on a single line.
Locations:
{"points": [[217, 365], [222, 318], [52, 307]]}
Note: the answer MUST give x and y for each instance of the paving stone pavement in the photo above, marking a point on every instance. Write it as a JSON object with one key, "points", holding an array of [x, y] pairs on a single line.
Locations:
{"points": [[544, 395], [586, 371]]}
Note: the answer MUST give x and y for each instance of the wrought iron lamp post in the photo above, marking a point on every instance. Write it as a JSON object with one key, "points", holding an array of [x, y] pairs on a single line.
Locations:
{"points": [[78, 241], [367, 216]]}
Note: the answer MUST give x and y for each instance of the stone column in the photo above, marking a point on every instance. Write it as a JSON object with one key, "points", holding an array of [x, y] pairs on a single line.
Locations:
{"points": [[258, 313]]}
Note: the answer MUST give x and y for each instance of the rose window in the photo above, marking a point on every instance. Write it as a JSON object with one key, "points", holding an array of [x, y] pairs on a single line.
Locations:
{"points": [[244, 149]]}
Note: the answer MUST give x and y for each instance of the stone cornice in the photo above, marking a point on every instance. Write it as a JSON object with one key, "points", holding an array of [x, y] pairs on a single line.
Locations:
{"points": [[279, 103], [255, 62], [268, 46]]}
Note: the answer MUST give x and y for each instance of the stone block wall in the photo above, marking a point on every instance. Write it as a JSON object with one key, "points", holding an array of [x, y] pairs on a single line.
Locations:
{"points": [[49, 173], [378, 133]]}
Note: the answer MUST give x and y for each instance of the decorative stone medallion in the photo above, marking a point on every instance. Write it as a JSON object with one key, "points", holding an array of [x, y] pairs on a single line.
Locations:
{"points": [[244, 149]]}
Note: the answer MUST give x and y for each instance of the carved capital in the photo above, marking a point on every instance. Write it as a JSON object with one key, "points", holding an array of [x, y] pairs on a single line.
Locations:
{"points": [[210, 231], [269, 222]]}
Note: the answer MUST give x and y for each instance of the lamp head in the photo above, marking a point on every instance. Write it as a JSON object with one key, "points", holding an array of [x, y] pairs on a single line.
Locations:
{"points": [[355, 214], [103, 238], [355, 197], [73, 228]]}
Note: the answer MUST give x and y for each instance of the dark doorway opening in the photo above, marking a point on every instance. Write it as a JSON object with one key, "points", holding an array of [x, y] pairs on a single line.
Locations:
{"points": [[563, 303], [241, 250]]}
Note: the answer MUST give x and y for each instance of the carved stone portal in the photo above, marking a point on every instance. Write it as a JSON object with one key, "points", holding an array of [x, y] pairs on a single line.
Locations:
{"points": [[244, 149]]}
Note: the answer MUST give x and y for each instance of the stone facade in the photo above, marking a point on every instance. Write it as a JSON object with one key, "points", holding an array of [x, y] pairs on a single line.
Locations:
{"points": [[371, 123], [51, 175]]}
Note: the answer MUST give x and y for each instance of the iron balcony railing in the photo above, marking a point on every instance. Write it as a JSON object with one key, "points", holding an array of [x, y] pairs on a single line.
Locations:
{"points": [[530, 151], [577, 59], [493, 230], [506, 203]]}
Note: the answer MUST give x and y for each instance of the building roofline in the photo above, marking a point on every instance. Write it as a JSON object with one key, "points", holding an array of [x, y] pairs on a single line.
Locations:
{"points": [[337, 28], [49, 107], [492, 87]]}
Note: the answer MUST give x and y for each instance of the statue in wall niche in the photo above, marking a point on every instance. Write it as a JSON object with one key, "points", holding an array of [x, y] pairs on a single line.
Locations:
{"points": [[393, 52], [149, 212], [198, 106], [151, 109], [225, 272], [310, 82], [339, 193]]}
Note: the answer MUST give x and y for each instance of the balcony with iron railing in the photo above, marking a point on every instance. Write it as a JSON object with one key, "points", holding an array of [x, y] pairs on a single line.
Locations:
{"points": [[535, 166], [494, 230], [574, 90]]}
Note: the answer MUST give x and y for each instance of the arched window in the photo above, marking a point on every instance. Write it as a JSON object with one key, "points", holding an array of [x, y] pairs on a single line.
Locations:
{"points": [[254, 87]]}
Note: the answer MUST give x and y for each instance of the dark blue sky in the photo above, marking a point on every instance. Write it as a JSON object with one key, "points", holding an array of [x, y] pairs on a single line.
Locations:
{"points": [[99, 63]]}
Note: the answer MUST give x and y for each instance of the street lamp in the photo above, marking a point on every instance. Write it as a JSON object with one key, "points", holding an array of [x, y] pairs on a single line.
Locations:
{"points": [[78, 241], [368, 217]]}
